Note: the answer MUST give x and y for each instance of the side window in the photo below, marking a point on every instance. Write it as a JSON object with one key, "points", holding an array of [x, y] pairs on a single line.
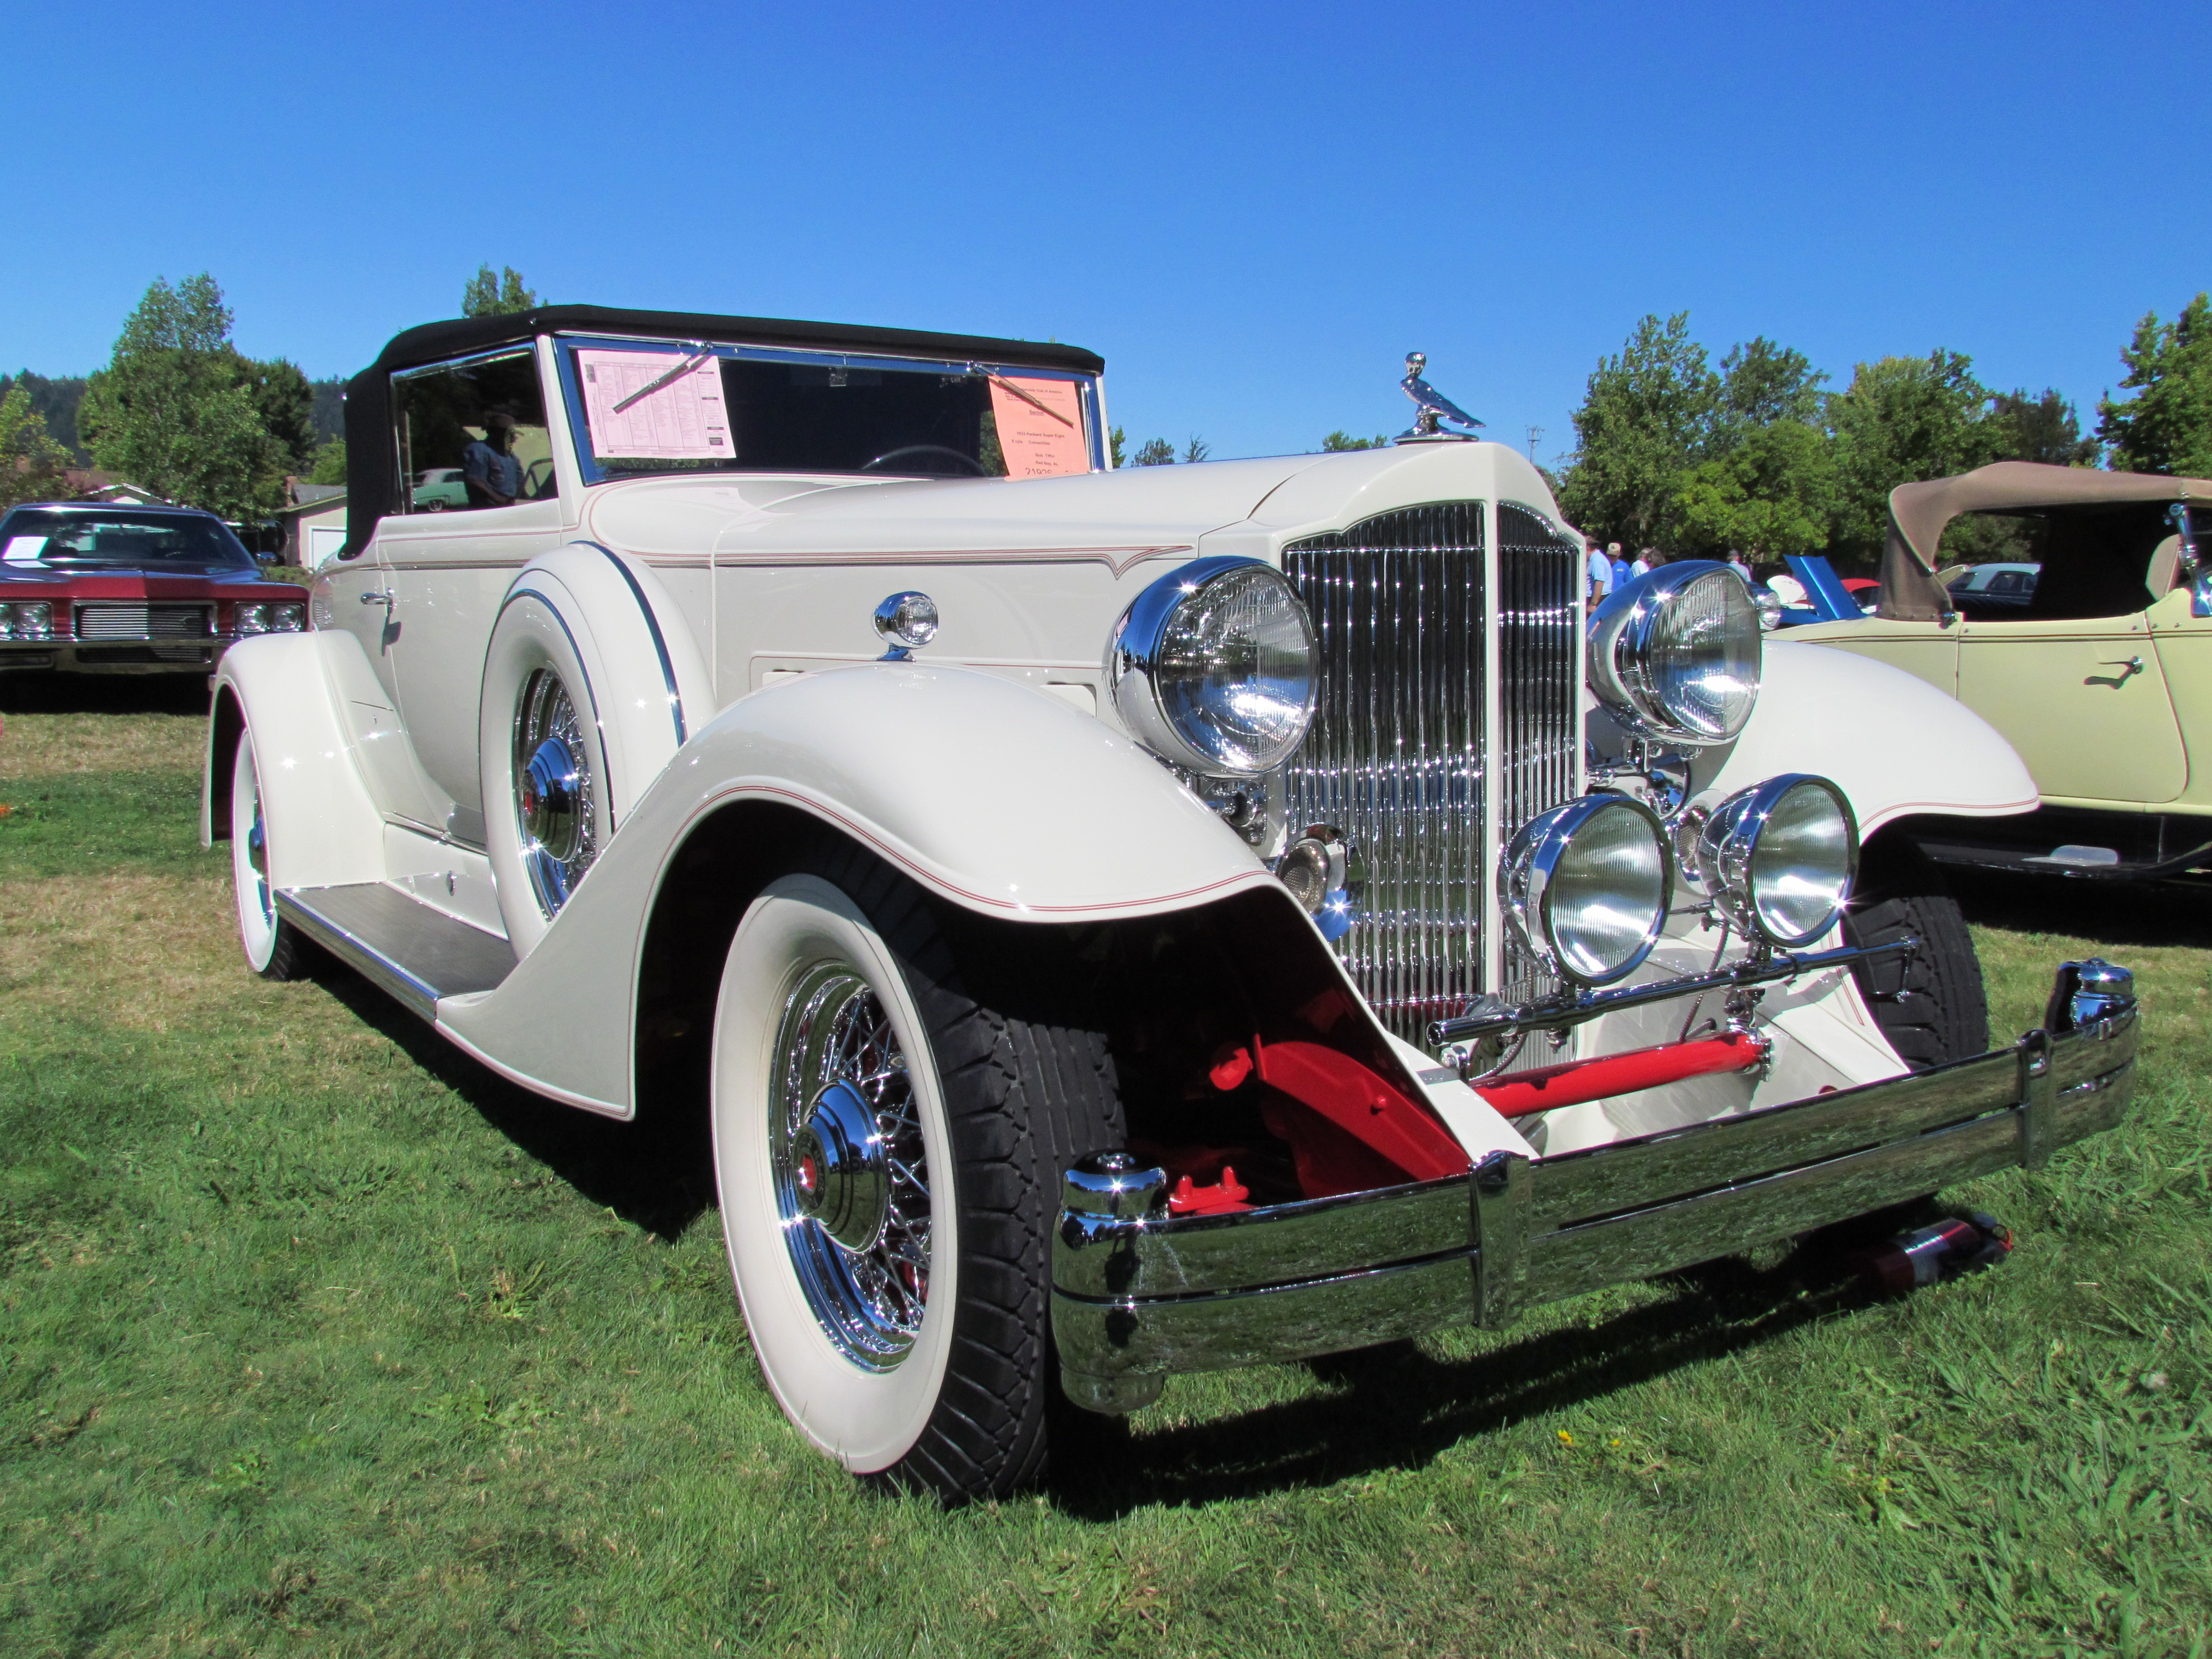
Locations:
{"points": [[472, 433]]}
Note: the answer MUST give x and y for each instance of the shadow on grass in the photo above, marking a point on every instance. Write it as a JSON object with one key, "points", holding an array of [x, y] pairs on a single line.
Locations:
{"points": [[1398, 1407], [2112, 913], [658, 1175], [47, 693]]}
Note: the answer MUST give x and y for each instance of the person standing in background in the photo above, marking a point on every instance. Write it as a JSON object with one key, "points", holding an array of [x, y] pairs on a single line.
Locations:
{"points": [[1735, 563], [1597, 574], [1621, 572]]}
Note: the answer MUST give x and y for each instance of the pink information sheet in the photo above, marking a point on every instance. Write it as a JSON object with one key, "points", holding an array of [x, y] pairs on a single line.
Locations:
{"points": [[1040, 427], [683, 420]]}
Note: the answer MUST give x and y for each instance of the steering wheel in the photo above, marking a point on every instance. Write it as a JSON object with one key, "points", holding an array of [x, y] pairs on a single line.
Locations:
{"points": [[881, 463]]}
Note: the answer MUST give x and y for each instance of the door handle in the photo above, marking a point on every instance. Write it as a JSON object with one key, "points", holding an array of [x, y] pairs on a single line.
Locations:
{"points": [[383, 597], [2133, 664]]}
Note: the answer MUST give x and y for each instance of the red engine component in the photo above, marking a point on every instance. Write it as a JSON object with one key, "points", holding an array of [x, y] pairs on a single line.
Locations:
{"points": [[1228, 1194], [1545, 1088]]}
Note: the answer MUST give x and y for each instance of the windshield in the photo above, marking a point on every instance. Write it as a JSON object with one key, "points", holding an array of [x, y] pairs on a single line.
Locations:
{"points": [[121, 540], [670, 407]]}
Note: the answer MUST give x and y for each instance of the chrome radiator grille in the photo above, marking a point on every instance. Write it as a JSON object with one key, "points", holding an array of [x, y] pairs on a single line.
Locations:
{"points": [[143, 621], [1396, 755], [1395, 758], [1540, 686]]}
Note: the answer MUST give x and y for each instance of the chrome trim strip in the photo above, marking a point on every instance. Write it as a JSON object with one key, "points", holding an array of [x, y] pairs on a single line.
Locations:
{"points": [[416, 995], [1137, 1295], [652, 626]]}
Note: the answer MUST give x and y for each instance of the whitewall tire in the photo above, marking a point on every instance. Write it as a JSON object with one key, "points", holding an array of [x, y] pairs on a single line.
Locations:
{"points": [[889, 1129], [274, 949]]}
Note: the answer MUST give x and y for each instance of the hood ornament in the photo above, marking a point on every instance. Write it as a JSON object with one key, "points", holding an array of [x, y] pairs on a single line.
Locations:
{"points": [[1434, 407]]}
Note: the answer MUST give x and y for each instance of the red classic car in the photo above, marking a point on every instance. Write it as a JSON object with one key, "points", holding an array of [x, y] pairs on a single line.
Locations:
{"points": [[87, 588]]}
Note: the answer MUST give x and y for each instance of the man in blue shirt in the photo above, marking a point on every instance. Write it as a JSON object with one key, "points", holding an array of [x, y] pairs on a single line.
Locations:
{"points": [[1621, 572], [1597, 574], [492, 476]]}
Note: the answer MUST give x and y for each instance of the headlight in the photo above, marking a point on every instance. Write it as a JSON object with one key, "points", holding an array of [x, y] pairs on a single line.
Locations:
{"points": [[281, 616], [1586, 886], [1779, 858], [27, 619], [1213, 667], [1675, 654]]}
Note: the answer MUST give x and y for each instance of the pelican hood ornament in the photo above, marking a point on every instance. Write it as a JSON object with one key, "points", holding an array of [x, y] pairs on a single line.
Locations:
{"points": [[1434, 406]]}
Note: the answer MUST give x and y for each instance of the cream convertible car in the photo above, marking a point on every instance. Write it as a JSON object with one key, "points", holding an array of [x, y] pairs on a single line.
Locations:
{"points": [[2098, 667], [1116, 923]]}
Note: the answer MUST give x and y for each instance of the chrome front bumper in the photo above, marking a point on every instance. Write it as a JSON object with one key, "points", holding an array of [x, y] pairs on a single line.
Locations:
{"points": [[1139, 1294]]}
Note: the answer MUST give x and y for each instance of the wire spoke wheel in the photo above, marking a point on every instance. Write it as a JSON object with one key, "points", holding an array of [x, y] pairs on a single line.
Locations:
{"points": [[851, 1172], [553, 790]]}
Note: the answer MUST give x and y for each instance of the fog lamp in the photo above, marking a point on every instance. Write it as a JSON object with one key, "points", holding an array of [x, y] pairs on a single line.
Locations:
{"points": [[1778, 859], [1586, 887]]}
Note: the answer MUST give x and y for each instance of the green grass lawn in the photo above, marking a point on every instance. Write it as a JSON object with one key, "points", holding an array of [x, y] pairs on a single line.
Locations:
{"points": [[314, 1337]]}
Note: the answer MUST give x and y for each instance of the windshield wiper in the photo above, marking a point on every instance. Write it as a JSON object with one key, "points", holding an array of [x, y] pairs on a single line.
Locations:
{"points": [[701, 353]]}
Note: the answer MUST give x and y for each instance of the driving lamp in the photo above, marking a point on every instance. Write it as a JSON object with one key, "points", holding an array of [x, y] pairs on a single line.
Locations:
{"points": [[1778, 859], [1674, 653], [1586, 887], [1214, 667]]}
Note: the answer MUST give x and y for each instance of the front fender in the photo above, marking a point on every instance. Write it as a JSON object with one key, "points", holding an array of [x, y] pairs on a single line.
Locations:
{"points": [[1895, 744], [1000, 798], [325, 830]]}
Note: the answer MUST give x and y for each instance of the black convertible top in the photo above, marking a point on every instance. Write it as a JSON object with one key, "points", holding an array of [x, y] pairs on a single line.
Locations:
{"points": [[373, 482]]}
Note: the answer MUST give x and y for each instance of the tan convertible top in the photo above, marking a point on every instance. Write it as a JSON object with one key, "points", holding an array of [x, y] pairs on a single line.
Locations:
{"points": [[1918, 512]]}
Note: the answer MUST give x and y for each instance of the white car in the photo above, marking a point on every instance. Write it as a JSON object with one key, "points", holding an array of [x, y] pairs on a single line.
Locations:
{"points": [[1115, 923]]}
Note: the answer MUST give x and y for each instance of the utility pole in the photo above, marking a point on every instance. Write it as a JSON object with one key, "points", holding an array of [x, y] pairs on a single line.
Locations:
{"points": [[1534, 432]]}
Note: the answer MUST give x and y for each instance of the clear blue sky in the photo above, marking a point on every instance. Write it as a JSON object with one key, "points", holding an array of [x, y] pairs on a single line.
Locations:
{"points": [[1251, 212]]}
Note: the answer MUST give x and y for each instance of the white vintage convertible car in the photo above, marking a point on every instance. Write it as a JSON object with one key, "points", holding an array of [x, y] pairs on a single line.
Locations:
{"points": [[1117, 923]]}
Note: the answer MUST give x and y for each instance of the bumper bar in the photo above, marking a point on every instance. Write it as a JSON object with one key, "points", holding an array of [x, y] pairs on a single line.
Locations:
{"points": [[1139, 1294]]}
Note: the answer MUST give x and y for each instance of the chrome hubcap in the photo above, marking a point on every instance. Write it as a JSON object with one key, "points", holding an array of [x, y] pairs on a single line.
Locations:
{"points": [[852, 1179], [256, 855], [552, 790]]}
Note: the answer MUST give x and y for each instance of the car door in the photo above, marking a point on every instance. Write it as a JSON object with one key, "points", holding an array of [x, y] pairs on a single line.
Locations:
{"points": [[2084, 700], [449, 564]]}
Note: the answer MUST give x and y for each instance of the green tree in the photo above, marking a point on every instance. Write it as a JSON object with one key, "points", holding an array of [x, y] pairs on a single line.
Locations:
{"points": [[1156, 452], [1771, 494], [31, 465], [286, 405], [487, 295], [1197, 449], [330, 466], [1903, 419], [2044, 428], [1762, 383], [1114, 441], [1341, 441], [1646, 418], [173, 410], [2167, 427]]}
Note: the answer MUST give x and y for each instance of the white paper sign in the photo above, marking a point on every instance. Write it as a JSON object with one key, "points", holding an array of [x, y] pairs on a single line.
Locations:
{"points": [[684, 420], [24, 549]]}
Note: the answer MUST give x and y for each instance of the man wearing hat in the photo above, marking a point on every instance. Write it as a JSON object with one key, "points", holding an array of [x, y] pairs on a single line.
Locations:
{"points": [[491, 474]]}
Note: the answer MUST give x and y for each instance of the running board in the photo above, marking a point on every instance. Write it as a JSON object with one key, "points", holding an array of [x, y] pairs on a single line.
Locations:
{"points": [[398, 943]]}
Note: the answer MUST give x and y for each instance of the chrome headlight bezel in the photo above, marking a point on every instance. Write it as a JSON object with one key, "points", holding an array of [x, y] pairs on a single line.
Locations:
{"points": [[1540, 862], [1636, 623], [1141, 684], [1736, 852]]}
